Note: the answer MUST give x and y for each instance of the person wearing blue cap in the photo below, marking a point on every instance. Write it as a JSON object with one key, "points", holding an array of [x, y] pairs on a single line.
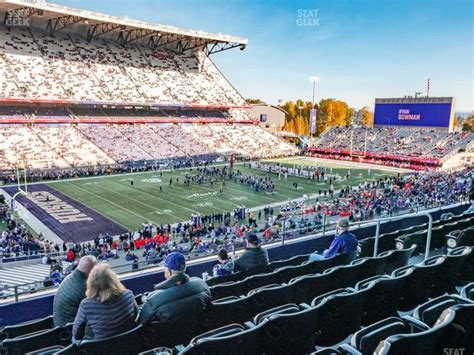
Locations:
{"points": [[177, 297], [255, 258]]}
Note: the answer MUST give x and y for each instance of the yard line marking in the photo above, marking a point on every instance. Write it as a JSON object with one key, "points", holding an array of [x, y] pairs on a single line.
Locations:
{"points": [[112, 203]]}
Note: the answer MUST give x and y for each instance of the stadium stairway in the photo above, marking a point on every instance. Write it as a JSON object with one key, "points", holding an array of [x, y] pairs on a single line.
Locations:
{"points": [[20, 275]]}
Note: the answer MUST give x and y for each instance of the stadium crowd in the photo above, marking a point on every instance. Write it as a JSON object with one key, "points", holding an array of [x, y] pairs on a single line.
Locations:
{"points": [[378, 198], [391, 146], [43, 146], [68, 67], [16, 239], [99, 306]]}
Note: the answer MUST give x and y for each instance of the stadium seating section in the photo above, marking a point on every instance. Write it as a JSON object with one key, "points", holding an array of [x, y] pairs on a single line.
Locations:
{"points": [[401, 146], [42, 146], [394, 303], [67, 67]]}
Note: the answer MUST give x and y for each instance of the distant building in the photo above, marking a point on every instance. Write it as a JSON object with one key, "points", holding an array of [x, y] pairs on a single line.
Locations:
{"points": [[270, 117]]}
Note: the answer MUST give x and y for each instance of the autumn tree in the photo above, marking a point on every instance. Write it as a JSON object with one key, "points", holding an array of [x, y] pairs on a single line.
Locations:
{"points": [[330, 112], [366, 117]]}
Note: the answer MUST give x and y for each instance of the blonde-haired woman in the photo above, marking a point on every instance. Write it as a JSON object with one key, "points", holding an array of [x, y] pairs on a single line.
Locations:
{"points": [[108, 309]]}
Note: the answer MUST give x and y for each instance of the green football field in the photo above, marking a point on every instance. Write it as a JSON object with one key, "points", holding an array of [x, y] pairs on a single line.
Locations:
{"points": [[115, 197]]}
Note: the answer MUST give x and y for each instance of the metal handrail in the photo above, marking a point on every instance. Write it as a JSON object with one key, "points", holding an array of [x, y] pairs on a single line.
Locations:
{"points": [[284, 236]]}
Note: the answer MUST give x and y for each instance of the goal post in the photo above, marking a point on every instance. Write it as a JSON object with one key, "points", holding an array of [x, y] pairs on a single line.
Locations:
{"points": [[22, 189]]}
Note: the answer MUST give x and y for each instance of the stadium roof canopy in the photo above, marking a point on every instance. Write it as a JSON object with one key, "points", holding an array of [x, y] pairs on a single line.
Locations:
{"points": [[54, 18]]}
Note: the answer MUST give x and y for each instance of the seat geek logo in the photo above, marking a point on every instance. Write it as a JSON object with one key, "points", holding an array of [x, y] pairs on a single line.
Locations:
{"points": [[14, 18], [307, 18]]}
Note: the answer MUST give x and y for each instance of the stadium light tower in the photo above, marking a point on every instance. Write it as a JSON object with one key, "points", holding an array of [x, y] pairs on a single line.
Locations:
{"points": [[314, 80]]}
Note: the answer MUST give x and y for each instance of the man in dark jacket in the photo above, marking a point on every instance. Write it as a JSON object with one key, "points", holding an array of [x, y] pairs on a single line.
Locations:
{"points": [[71, 292], [254, 257], [178, 297]]}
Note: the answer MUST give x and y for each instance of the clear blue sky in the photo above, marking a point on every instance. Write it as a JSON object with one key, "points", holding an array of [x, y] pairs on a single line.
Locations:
{"points": [[361, 49]]}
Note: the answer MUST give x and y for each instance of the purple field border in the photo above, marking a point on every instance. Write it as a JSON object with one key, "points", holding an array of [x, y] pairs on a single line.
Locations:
{"points": [[77, 232]]}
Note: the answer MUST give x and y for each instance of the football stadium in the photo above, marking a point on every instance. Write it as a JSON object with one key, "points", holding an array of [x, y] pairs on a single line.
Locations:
{"points": [[148, 207]]}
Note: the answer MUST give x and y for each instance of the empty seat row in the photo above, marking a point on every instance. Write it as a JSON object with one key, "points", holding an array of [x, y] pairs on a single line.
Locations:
{"points": [[293, 329], [278, 276], [438, 235], [293, 261], [387, 241]]}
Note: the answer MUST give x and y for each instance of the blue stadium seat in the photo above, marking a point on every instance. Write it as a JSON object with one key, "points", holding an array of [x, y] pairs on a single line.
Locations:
{"points": [[338, 314], [397, 258], [173, 332], [367, 339], [462, 237], [430, 311], [309, 286], [226, 311], [384, 295], [128, 343], [12, 331], [418, 282], [38, 340], [260, 280], [448, 275], [232, 339], [295, 260], [229, 289], [288, 330], [468, 291], [266, 298], [237, 276], [454, 329]]}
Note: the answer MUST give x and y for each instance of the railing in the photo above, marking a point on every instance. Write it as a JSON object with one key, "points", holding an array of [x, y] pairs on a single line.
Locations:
{"points": [[5, 261], [294, 234]]}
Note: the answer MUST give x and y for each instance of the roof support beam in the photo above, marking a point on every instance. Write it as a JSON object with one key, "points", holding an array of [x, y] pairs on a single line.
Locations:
{"points": [[224, 46], [134, 35], [168, 39], [196, 43], [60, 23], [101, 29]]}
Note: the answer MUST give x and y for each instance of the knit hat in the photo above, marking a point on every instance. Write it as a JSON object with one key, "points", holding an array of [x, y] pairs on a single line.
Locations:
{"points": [[175, 261]]}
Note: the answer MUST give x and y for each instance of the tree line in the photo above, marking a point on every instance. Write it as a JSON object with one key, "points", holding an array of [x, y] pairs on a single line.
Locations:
{"points": [[329, 113]]}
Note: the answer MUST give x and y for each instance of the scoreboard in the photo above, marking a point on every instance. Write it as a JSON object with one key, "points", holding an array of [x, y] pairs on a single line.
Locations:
{"points": [[434, 112]]}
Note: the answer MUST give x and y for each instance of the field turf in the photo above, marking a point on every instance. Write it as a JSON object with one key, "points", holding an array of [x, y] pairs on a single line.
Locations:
{"points": [[115, 197]]}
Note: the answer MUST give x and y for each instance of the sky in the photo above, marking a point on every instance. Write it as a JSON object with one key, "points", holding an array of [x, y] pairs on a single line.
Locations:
{"points": [[360, 49]]}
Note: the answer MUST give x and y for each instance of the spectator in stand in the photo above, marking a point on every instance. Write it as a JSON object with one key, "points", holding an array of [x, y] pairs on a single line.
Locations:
{"points": [[225, 265], [254, 257], [70, 256], [178, 297], [344, 242], [108, 309], [71, 292]]}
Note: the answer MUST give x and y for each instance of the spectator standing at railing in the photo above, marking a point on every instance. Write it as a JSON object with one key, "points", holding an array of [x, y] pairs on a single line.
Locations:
{"points": [[71, 292]]}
